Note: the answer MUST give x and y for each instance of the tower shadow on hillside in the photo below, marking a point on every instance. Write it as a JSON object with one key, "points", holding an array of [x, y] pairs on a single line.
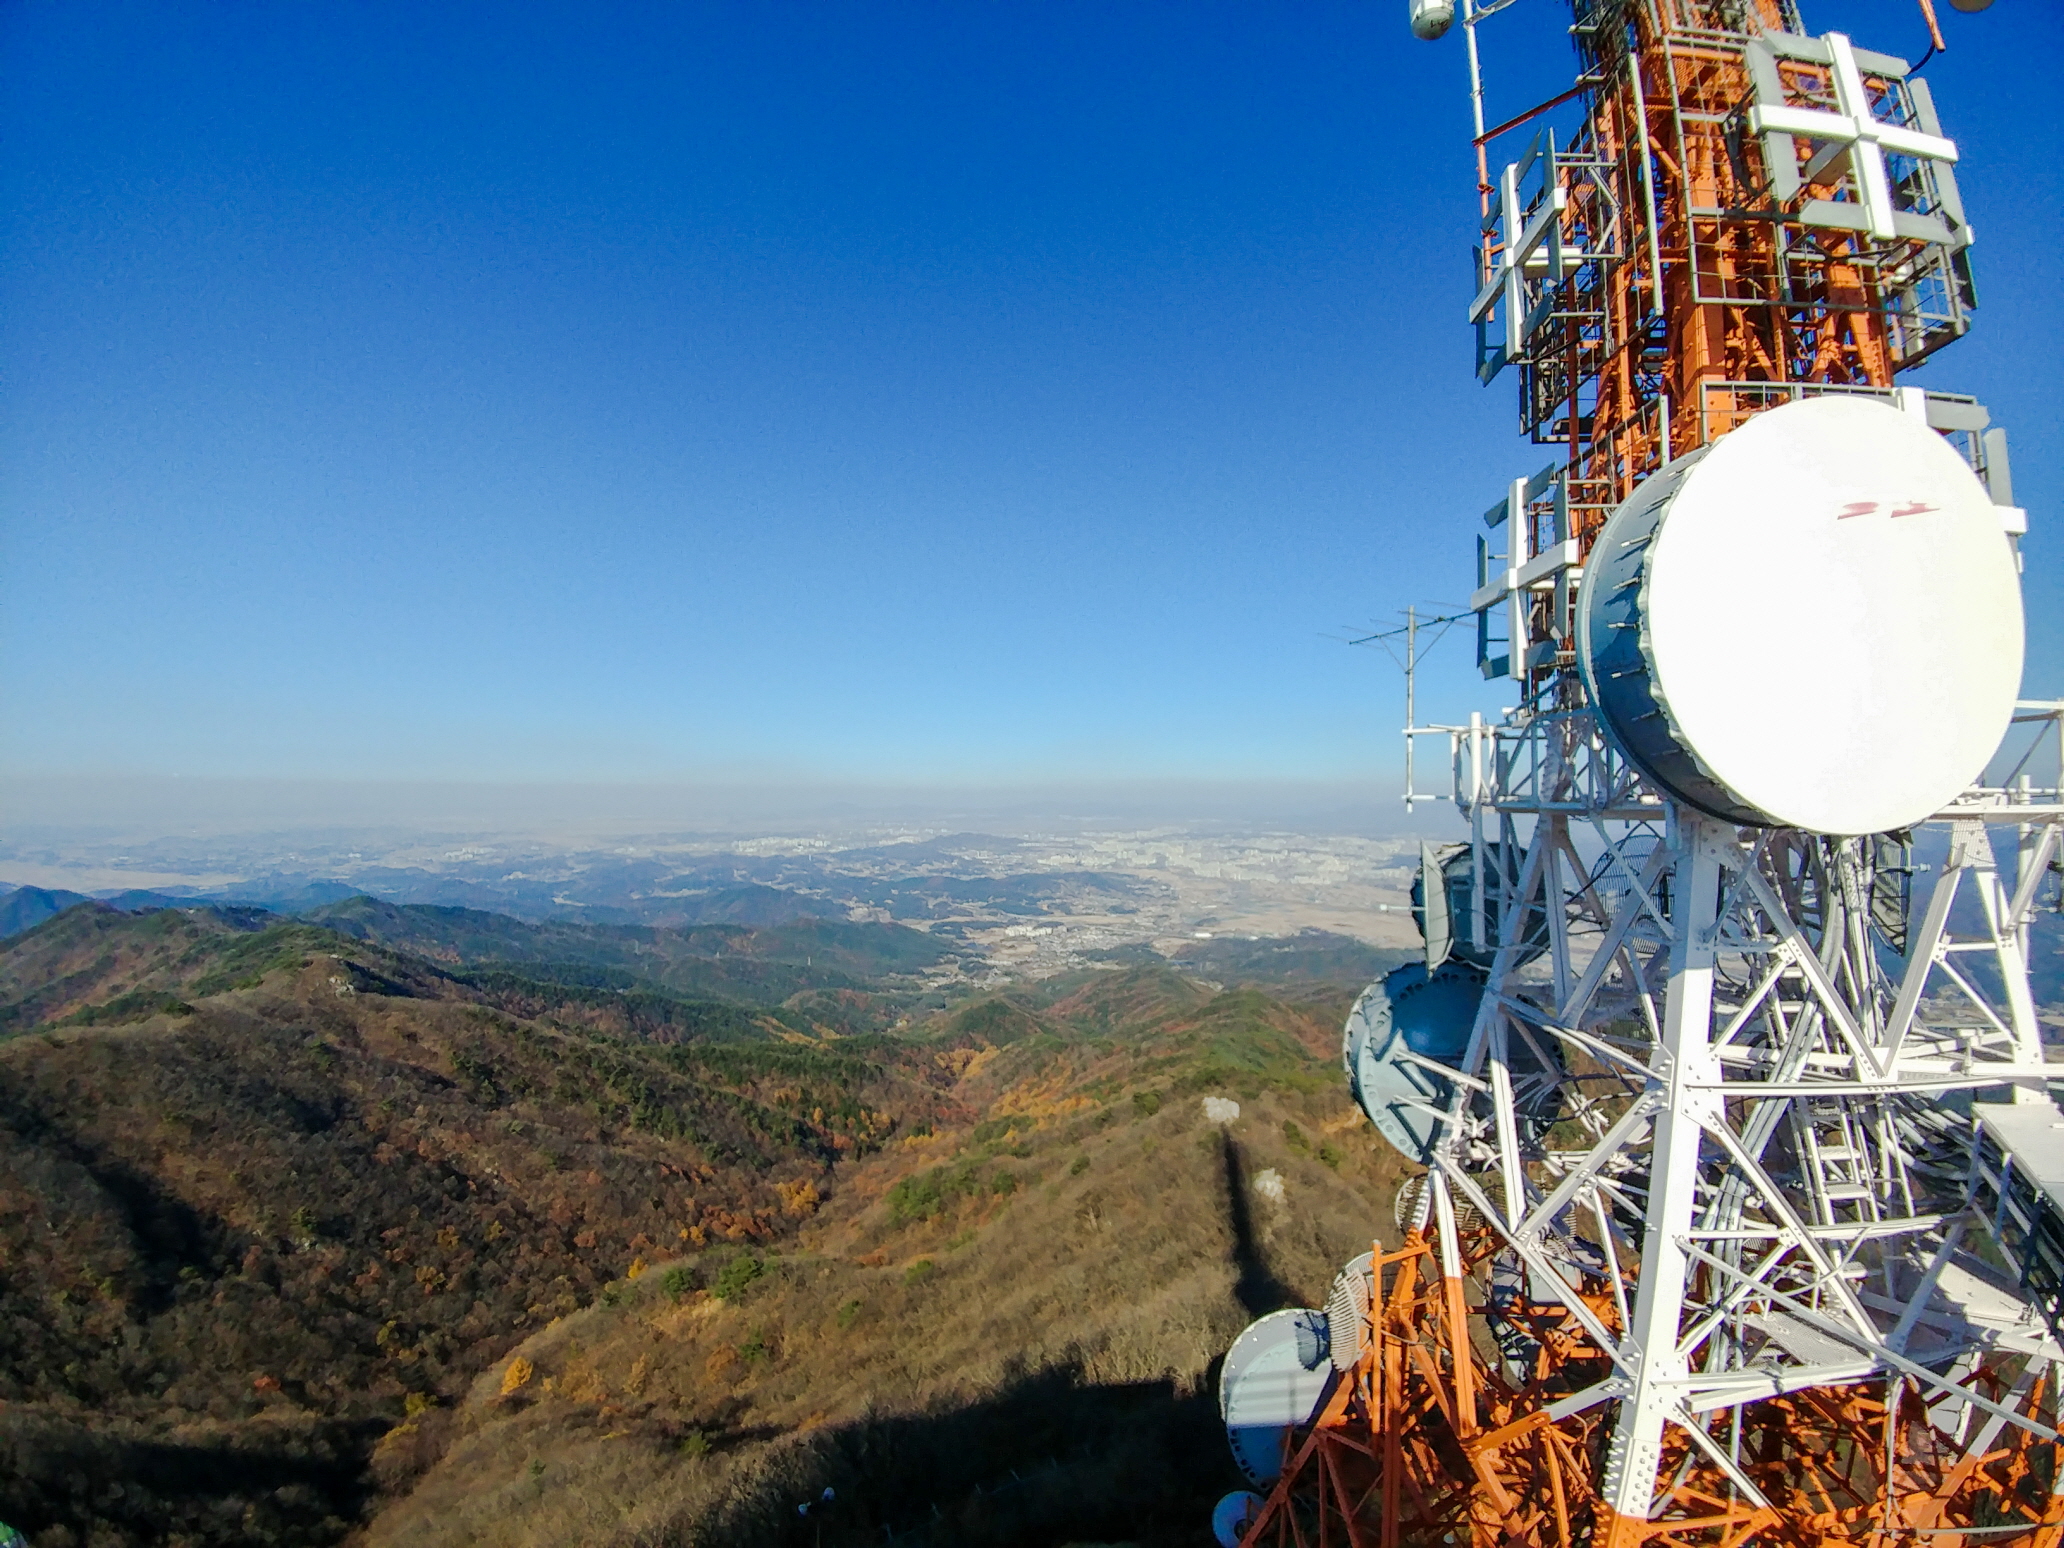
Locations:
{"points": [[1046, 1456], [1255, 1286]]}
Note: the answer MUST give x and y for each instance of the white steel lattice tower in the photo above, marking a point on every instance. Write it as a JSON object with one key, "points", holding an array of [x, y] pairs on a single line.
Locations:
{"points": [[1744, 1213]]}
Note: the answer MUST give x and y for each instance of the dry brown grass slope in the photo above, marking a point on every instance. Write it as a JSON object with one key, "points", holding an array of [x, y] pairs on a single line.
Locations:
{"points": [[1020, 1362]]}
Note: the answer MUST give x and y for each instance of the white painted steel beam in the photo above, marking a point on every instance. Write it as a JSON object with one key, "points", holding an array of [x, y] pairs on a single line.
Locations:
{"points": [[1776, 1009], [1855, 130], [1629, 1482]]}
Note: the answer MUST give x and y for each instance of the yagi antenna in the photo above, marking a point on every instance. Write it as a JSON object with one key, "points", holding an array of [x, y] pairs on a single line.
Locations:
{"points": [[1414, 652]]}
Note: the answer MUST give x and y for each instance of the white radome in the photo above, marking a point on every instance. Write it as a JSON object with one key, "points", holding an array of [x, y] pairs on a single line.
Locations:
{"points": [[1432, 18], [1814, 623]]}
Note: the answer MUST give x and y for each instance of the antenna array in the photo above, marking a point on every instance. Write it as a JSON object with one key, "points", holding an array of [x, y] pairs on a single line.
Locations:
{"points": [[1742, 1217]]}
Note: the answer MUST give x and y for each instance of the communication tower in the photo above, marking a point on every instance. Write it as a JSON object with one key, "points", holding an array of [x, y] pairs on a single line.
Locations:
{"points": [[1742, 1217]]}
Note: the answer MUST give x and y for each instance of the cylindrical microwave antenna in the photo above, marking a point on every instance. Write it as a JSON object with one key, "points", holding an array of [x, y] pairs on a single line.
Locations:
{"points": [[1431, 18], [1837, 551]]}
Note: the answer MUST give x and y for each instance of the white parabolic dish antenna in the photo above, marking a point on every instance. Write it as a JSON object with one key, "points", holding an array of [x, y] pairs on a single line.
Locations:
{"points": [[1272, 1380], [1813, 623]]}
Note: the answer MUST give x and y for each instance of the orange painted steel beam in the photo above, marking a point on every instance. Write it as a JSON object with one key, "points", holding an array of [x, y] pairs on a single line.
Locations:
{"points": [[1424, 1442], [1734, 286]]}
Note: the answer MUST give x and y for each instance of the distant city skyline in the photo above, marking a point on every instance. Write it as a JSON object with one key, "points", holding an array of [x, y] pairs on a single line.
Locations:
{"points": [[898, 397]]}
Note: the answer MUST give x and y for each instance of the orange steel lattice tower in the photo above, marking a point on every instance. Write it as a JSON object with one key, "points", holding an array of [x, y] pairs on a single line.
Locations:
{"points": [[1743, 215], [1430, 1439], [1735, 215]]}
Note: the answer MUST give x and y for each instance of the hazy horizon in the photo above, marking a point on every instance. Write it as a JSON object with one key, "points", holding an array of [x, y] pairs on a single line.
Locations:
{"points": [[108, 807]]}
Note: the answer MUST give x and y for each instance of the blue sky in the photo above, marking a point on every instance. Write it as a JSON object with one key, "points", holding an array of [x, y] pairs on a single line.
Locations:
{"points": [[917, 393]]}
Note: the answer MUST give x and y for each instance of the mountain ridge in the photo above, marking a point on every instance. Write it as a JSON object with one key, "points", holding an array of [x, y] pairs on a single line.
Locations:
{"points": [[284, 1202]]}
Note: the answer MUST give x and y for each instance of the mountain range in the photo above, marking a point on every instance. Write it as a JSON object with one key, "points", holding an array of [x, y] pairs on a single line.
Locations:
{"points": [[747, 903]]}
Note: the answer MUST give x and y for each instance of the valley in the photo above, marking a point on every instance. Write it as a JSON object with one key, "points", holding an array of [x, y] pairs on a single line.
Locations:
{"points": [[1027, 904]]}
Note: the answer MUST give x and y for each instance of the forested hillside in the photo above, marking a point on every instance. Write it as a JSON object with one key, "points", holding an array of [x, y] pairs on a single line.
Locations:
{"points": [[279, 1205]]}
